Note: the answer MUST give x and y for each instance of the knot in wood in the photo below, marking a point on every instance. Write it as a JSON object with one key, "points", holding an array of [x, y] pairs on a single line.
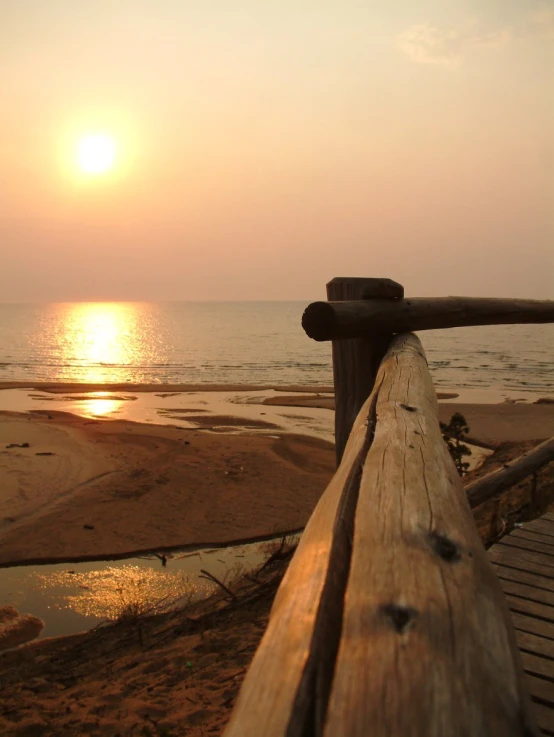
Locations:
{"points": [[445, 547], [408, 407], [399, 615]]}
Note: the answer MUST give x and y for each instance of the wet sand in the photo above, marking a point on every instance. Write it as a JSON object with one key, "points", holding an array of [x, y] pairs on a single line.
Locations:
{"points": [[499, 423], [206, 467], [74, 488]]}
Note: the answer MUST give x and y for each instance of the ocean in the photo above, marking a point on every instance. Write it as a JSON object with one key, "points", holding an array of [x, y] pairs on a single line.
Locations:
{"points": [[239, 343]]}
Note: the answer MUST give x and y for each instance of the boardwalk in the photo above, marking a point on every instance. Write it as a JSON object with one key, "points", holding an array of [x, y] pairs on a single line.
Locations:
{"points": [[524, 562]]}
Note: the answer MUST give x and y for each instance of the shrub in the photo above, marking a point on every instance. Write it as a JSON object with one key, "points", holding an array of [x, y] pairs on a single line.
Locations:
{"points": [[453, 434]]}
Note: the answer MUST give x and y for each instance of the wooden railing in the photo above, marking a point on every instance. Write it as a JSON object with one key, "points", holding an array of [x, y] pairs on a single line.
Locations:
{"points": [[390, 620]]}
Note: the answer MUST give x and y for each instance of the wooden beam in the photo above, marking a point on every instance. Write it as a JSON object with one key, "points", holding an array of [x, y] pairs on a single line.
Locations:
{"points": [[512, 473], [280, 687], [390, 620], [355, 362], [362, 319]]}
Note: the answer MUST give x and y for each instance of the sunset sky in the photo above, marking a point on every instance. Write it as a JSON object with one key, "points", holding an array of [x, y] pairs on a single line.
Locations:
{"points": [[262, 147]]}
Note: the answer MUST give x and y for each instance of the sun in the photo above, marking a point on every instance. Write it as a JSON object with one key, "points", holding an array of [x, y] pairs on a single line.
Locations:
{"points": [[96, 153]]}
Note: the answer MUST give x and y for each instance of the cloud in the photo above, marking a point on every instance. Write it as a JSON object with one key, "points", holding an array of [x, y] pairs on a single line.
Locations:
{"points": [[541, 24], [428, 44]]}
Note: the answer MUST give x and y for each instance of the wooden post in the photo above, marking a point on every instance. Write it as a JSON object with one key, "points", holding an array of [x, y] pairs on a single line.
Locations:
{"points": [[355, 362], [390, 620]]}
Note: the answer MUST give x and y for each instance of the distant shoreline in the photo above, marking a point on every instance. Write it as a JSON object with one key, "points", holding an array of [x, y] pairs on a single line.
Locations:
{"points": [[59, 387], [490, 395]]}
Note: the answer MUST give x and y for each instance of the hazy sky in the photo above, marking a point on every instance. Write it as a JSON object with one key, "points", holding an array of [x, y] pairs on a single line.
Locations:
{"points": [[265, 146]]}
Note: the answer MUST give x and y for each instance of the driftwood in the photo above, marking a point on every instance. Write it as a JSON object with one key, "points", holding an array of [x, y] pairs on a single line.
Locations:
{"points": [[488, 486], [355, 362], [362, 319], [390, 620]]}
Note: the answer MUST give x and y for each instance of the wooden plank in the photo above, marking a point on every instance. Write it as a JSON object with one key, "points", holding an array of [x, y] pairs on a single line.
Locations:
{"points": [[544, 526], [541, 689], [511, 473], [355, 362], [533, 608], [530, 545], [534, 626], [545, 718], [535, 644], [528, 592], [422, 600], [507, 557], [356, 319], [514, 574], [546, 561], [538, 666], [549, 516], [526, 534]]}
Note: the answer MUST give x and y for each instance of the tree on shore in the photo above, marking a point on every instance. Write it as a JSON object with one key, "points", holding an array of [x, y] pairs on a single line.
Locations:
{"points": [[453, 434]]}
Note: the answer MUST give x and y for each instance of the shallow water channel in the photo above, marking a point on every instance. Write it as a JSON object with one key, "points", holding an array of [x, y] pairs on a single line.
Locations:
{"points": [[72, 597]]}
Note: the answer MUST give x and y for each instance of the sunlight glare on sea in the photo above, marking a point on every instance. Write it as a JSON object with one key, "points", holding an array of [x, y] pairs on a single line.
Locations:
{"points": [[97, 336], [237, 343]]}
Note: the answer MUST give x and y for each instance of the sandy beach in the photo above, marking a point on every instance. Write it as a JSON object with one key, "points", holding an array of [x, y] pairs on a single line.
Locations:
{"points": [[83, 478], [90, 472], [75, 488]]}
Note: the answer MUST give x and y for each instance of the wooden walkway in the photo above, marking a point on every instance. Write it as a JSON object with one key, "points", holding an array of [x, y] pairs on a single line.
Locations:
{"points": [[524, 562]]}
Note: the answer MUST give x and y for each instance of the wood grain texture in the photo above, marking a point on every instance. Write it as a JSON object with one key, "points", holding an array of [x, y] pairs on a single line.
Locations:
{"points": [[542, 526], [524, 544], [530, 555], [538, 666], [542, 690], [534, 626], [513, 558], [512, 574], [279, 691], [533, 608], [532, 593], [355, 362], [545, 718], [535, 644], [494, 483], [524, 534], [360, 319], [427, 645], [366, 287], [390, 620]]}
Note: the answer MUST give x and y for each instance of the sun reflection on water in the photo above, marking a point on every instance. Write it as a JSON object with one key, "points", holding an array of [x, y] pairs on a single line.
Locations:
{"points": [[114, 591], [98, 335], [105, 339], [100, 404]]}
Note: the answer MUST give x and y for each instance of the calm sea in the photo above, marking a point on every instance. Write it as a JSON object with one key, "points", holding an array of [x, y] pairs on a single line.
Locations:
{"points": [[239, 343]]}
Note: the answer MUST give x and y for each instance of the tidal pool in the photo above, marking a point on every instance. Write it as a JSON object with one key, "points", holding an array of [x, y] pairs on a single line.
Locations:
{"points": [[72, 597]]}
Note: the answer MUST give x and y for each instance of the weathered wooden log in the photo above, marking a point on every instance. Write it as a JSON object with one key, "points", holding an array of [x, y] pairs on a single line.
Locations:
{"points": [[494, 483], [390, 620], [363, 319], [355, 362]]}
